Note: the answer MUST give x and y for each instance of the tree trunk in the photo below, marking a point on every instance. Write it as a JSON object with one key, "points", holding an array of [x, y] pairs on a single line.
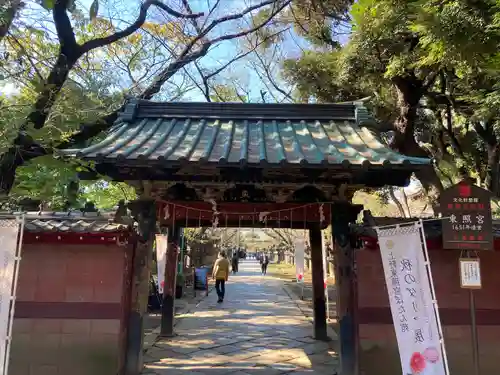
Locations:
{"points": [[23, 148], [397, 202], [405, 200], [491, 177], [491, 174], [8, 15], [51, 89], [410, 91]]}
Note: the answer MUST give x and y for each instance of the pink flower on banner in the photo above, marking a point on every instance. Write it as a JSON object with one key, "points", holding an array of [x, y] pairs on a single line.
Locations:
{"points": [[162, 284], [431, 354], [300, 277], [417, 363]]}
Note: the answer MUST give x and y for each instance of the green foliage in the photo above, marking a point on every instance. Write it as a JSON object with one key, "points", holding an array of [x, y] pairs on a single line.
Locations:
{"points": [[225, 93], [92, 89], [46, 179], [48, 4], [438, 58], [317, 21], [106, 195]]}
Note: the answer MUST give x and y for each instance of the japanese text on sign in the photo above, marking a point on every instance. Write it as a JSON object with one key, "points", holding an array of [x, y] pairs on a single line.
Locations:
{"points": [[470, 273], [467, 223]]}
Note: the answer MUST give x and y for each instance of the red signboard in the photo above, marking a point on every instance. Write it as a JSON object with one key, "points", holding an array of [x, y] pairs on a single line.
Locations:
{"points": [[467, 223]]}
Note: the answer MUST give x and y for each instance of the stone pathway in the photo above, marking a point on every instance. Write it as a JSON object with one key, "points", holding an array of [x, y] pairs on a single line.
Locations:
{"points": [[258, 329]]}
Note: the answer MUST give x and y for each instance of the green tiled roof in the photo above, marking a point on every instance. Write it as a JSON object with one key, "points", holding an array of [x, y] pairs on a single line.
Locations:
{"points": [[252, 134]]}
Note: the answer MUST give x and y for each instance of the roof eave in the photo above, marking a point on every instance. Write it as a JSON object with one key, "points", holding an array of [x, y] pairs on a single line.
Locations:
{"points": [[411, 164]]}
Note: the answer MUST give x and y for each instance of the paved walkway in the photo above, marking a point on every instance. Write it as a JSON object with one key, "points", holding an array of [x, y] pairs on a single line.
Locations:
{"points": [[258, 329]]}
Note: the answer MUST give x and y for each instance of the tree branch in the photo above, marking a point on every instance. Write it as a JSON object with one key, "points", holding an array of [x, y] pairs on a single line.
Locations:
{"points": [[429, 80], [288, 241], [396, 201], [270, 78], [64, 29], [186, 57], [25, 148], [8, 16], [91, 130], [143, 12]]}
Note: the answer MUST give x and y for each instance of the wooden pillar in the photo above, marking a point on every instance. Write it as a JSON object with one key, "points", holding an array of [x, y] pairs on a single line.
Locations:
{"points": [[319, 301], [144, 212], [168, 305], [345, 279]]}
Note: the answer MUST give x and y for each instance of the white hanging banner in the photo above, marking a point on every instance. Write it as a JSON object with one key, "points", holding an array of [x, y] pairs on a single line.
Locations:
{"points": [[8, 253], [410, 296], [161, 255], [325, 275], [300, 248], [325, 267]]}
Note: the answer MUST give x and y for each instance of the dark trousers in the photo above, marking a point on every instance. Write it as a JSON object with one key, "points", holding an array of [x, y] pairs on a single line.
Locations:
{"points": [[264, 268], [220, 287]]}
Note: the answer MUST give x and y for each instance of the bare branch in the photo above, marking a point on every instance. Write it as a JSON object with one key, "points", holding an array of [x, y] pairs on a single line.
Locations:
{"points": [[257, 27], [205, 89], [197, 27], [100, 42], [186, 57], [271, 79]]}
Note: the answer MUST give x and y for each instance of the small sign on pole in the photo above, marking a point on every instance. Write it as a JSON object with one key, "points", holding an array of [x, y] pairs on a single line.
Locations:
{"points": [[470, 273]]}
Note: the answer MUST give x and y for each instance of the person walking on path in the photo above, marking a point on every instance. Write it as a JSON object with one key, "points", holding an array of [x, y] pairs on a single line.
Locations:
{"points": [[234, 262], [221, 273], [264, 263]]}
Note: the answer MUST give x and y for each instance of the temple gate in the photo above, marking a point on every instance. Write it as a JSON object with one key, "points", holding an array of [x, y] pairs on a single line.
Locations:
{"points": [[247, 159]]}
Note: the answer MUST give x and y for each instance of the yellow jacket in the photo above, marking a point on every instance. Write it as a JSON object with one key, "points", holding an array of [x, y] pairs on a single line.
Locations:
{"points": [[221, 269]]}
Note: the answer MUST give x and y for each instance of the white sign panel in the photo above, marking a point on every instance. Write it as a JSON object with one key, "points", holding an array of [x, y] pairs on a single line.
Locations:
{"points": [[300, 248], [410, 297], [161, 255], [8, 248], [470, 273]]}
